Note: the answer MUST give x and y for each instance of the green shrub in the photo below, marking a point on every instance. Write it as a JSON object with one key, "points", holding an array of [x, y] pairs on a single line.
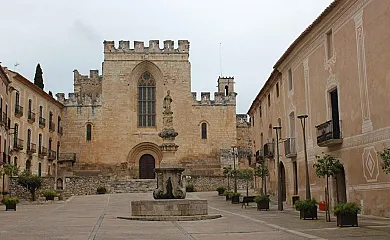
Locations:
{"points": [[305, 205], [190, 187], [50, 194], [227, 193], [10, 200], [263, 197], [30, 182], [349, 207], [233, 194], [221, 189], [101, 190]]}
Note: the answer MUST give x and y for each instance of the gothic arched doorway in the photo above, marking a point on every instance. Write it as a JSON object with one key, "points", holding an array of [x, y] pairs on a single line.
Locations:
{"points": [[283, 182], [341, 188], [146, 167]]}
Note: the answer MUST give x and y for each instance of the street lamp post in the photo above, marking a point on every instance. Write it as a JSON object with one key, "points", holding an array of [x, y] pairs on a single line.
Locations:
{"points": [[303, 123], [234, 152], [280, 190]]}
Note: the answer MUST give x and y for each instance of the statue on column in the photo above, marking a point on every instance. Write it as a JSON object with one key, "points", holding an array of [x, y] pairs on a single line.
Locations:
{"points": [[167, 103]]}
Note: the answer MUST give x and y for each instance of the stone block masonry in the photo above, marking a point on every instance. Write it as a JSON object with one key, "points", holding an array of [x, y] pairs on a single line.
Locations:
{"points": [[171, 207]]}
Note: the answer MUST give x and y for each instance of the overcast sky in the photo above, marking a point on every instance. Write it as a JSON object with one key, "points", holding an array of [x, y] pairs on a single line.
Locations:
{"points": [[67, 35]]}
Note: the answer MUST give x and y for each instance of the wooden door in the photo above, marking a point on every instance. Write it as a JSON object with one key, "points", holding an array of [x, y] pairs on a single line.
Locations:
{"points": [[146, 167]]}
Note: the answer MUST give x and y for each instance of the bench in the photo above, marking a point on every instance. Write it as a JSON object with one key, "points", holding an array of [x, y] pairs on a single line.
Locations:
{"points": [[247, 200]]}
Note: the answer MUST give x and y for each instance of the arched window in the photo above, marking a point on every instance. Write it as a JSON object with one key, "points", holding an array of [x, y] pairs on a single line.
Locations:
{"points": [[146, 101], [226, 90], [89, 132], [204, 130]]}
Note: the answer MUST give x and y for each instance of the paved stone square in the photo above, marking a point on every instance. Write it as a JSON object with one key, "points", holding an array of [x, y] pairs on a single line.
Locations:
{"points": [[95, 217]]}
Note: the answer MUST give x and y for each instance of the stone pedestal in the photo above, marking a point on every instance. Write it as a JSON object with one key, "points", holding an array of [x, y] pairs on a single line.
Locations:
{"points": [[174, 207], [169, 184]]}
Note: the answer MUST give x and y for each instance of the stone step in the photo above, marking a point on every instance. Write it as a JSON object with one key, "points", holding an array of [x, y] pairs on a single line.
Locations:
{"points": [[133, 185]]}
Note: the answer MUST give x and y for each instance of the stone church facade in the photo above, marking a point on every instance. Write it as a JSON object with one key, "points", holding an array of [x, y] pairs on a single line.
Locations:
{"points": [[112, 120]]}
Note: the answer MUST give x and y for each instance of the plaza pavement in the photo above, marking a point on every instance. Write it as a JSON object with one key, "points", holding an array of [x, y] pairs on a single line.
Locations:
{"points": [[95, 217]]}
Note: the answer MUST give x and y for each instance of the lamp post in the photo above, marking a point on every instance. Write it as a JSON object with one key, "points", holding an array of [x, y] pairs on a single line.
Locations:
{"points": [[303, 124], [234, 152], [280, 199]]}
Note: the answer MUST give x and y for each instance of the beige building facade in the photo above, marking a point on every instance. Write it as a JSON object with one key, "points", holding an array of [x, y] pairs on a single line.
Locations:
{"points": [[337, 73], [112, 120]]}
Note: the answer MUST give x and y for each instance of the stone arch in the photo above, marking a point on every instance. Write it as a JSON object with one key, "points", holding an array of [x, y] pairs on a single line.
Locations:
{"points": [[146, 66], [283, 178], [144, 148]]}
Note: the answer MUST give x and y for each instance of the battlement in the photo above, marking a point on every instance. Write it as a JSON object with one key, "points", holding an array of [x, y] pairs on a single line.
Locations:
{"points": [[242, 120], [154, 47], [80, 100], [219, 99], [84, 84]]}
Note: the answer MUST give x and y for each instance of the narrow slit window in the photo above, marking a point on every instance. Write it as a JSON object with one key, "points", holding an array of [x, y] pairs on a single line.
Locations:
{"points": [[329, 44], [204, 130], [89, 132]]}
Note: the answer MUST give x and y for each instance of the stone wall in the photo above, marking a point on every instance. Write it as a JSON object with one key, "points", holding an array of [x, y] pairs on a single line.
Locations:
{"points": [[16, 190], [210, 183]]}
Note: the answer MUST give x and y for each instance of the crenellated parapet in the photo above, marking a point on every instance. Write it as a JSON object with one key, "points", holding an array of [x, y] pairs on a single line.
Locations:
{"points": [[84, 84], [242, 120], [219, 99], [80, 100], [154, 47]]}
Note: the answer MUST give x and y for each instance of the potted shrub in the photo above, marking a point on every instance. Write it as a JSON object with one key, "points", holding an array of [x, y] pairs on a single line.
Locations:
{"points": [[262, 202], [190, 188], [346, 214], [235, 197], [101, 190], [307, 208], [50, 194], [228, 195], [10, 202], [221, 190]]}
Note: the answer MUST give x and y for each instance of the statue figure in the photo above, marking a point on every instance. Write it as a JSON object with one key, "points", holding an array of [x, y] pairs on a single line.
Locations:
{"points": [[167, 103]]}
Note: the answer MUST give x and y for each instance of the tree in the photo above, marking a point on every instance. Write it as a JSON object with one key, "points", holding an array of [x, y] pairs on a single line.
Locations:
{"points": [[247, 175], [38, 79], [262, 172], [385, 156], [227, 173], [326, 166], [8, 170], [30, 182]]}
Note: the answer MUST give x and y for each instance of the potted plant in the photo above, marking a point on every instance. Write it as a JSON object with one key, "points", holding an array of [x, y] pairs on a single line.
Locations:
{"points": [[190, 187], [228, 195], [262, 172], [262, 202], [50, 194], [246, 175], [346, 214], [221, 190], [10, 202], [307, 208], [101, 190], [235, 197]]}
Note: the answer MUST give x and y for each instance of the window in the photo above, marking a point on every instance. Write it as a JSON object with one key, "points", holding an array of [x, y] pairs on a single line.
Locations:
{"points": [[89, 132], [295, 172], [58, 124], [280, 130], [261, 114], [50, 117], [329, 44], [17, 99], [40, 111], [39, 169], [290, 80], [16, 162], [50, 141], [204, 130], [226, 90], [58, 149], [16, 134], [292, 124], [28, 138], [29, 105], [277, 89], [146, 101], [39, 143], [269, 100]]}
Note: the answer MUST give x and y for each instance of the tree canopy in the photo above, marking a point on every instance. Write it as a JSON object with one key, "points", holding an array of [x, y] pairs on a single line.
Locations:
{"points": [[38, 79]]}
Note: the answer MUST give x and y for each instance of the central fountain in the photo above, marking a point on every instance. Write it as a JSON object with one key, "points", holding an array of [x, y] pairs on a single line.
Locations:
{"points": [[170, 203]]}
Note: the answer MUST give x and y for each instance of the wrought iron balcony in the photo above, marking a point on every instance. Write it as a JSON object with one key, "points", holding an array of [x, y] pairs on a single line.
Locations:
{"points": [[66, 157], [31, 117], [18, 111], [42, 122], [42, 151], [52, 127], [18, 144], [329, 133], [290, 148], [268, 150], [60, 130], [259, 156], [52, 155], [31, 148]]}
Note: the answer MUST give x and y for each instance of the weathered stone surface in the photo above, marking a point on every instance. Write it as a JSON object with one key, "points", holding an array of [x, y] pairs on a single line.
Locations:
{"points": [[171, 207]]}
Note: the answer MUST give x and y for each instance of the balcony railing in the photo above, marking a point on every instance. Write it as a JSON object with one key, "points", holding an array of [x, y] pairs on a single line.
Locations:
{"points": [[290, 148], [329, 133], [42, 122], [31, 148], [52, 127], [18, 111], [52, 155], [18, 144], [67, 157], [31, 117], [268, 150], [259, 156], [60, 130], [42, 151]]}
